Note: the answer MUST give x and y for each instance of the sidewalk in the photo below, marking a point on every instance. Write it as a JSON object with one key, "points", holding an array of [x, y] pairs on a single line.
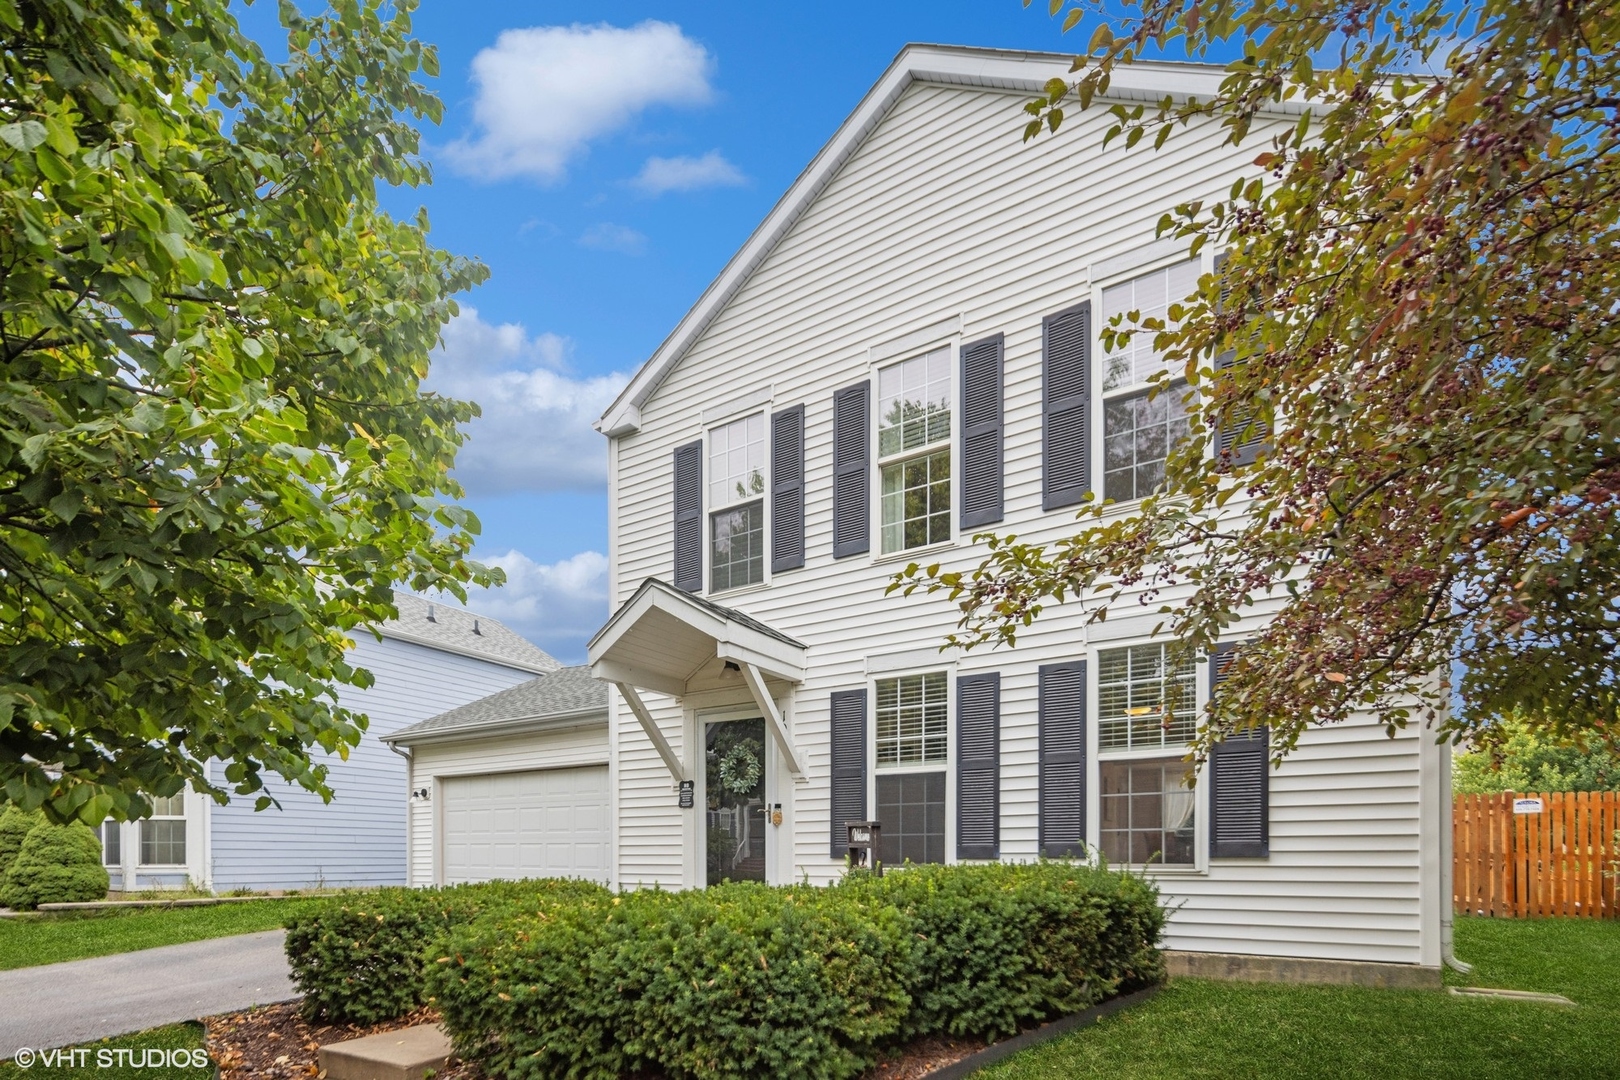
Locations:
{"points": [[82, 1000]]}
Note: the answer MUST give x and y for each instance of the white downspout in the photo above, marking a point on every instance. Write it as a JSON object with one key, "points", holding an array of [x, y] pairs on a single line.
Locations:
{"points": [[410, 811]]}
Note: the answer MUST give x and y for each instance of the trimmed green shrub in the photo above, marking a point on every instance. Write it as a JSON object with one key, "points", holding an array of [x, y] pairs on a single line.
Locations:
{"points": [[58, 864], [999, 947], [748, 980], [737, 980], [359, 958], [15, 825]]}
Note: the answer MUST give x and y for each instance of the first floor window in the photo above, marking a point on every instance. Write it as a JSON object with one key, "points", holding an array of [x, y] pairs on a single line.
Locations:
{"points": [[1146, 698], [1148, 812], [912, 751], [911, 809], [163, 835], [917, 502], [737, 547], [1138, 433], [112, 844]]}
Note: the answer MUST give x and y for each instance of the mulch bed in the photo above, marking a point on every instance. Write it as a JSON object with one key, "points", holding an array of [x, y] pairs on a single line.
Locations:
{"points": [[276, 1043]]}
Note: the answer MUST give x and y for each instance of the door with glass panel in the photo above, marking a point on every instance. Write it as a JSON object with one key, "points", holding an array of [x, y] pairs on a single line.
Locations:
{"points": [[735, 814]]}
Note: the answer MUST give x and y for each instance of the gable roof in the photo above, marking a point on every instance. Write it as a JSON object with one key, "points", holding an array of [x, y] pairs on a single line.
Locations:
{"points": [[567, 693], [456, 630], [992, 69]]}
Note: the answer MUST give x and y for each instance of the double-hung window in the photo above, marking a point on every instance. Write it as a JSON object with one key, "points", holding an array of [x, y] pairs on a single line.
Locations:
{"points": [[913, 752], [1140, 427], [737, 503], [914, 451], [163, 835], [112, 843], [1146, 715]]}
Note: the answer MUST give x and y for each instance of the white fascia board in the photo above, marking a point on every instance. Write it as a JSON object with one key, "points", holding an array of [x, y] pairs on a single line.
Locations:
{"points": [[1012, 71], [511, 725]]}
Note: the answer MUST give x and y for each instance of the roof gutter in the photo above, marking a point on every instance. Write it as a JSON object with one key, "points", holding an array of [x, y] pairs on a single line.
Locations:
{"points": [[538, 721]]}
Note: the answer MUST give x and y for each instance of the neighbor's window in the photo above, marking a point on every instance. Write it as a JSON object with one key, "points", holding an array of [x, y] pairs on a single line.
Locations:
{"points": [[912, 751], [914, 450], [737, 503], [163, 835], [112, 844], [1147, 812], [1138, 433], [1146, 702]]}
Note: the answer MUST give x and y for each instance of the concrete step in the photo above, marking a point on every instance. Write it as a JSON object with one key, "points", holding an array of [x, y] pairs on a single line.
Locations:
{"points": [[407, 1054]]}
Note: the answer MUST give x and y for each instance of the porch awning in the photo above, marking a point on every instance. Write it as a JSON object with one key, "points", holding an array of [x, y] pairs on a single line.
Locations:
{"points": [[670, 642]]}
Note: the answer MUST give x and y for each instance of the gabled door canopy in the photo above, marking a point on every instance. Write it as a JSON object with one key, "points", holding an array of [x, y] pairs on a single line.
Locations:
{"points": [[670, 642]]}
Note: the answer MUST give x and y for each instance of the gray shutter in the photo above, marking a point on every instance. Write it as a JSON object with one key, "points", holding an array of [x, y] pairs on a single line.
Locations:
{"points": [[978, 766], [689, 517], [1244, 421], [852, 470], [1062, 709], [1066, 407], [787, 489], [1239, 783], [981, 432], [848, 765]]}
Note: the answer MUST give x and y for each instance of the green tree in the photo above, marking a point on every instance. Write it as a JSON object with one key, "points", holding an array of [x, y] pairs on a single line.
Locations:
{"points": [[1514, 755], [1417, 304], [216, 460]]}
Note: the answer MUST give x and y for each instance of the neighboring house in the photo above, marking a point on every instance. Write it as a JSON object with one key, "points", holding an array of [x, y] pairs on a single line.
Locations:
{"points": [[431, 659], [512, 785], [903, 354]]}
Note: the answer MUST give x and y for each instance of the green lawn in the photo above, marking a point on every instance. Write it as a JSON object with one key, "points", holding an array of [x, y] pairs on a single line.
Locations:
{"points": [[1198, 1029], [174, 1037], [48, 938]]}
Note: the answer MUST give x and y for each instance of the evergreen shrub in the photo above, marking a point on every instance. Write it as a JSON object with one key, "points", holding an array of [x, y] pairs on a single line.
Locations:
{"points": [[15, 825], [57, 864], [749, 980], [358, 958]]}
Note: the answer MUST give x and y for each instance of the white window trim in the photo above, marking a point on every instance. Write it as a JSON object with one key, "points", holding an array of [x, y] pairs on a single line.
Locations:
{"points": [[1117, 271], [952, 342], [948, 766], [1095, 756], [763, 407]]}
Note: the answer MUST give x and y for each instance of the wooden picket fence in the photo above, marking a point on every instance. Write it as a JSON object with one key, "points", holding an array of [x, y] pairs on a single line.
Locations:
{"points": [[1564, 860]]}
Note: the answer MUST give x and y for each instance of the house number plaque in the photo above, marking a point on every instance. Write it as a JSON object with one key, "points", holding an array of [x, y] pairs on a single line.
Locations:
{"points": [[686, 794]]}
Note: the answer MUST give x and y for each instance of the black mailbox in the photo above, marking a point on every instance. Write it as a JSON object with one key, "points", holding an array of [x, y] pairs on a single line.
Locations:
{"points": [[863, 844]]}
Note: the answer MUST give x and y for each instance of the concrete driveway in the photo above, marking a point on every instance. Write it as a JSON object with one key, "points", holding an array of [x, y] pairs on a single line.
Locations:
{"points": [[82, 1000]]}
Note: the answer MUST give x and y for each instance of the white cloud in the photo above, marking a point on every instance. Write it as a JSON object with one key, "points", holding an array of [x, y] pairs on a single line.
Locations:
{"points": [[535, 433], [610, 237], [659, 174], [544, 92], [558, 606]]}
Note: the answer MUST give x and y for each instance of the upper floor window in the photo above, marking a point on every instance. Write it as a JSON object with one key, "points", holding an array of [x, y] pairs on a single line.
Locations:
{"points": [[737, 503], [1140, 428], [914, 451]]}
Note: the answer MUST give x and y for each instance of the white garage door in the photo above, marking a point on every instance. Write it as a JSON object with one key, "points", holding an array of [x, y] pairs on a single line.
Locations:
{"points": [[546, 823]]}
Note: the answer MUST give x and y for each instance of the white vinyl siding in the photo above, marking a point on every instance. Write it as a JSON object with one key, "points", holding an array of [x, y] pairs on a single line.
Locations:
{"points": [[995, 233]]}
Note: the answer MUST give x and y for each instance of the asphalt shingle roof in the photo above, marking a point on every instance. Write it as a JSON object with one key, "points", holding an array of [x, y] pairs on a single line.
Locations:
{"points": [[455, 629], [567, 691], [741, 618]]}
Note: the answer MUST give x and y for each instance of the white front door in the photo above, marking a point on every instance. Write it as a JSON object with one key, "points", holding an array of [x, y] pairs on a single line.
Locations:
{"points": [[544, 823]]}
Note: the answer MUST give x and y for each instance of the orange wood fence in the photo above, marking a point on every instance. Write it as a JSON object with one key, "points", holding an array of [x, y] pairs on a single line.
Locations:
{"points": [[1564, 860]]}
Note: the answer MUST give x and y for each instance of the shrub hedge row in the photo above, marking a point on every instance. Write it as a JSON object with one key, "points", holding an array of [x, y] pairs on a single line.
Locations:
{"points": [[359, 957], [564, 979]]}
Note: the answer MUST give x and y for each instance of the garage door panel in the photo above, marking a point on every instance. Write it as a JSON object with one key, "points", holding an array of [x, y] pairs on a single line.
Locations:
{"points": [[543, 823]]}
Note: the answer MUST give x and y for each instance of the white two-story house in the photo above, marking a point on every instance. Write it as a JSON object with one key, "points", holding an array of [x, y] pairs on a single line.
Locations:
{"points": [[905, 353]]}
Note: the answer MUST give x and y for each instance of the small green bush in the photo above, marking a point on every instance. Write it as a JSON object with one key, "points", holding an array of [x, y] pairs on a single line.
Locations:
{"points": [[15, 825], [748, 980], [57, 864], [360, 958]]}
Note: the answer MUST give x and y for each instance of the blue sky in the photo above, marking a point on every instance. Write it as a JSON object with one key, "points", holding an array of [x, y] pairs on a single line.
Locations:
{"points": [[605, 160]]}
